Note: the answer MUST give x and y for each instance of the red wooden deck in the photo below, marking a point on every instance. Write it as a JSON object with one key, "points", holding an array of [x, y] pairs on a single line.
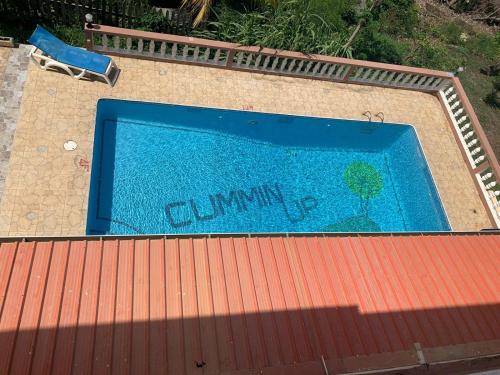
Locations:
{"points": [[248, 305]]}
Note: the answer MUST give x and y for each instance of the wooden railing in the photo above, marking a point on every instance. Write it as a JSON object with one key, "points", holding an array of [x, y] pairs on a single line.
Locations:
{"points": [[475, 146], [155, 46], [468, 131]]}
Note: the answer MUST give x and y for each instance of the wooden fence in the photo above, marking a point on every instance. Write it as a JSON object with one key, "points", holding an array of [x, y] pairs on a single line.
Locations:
{"points": [[123, 13], [477, 152]]}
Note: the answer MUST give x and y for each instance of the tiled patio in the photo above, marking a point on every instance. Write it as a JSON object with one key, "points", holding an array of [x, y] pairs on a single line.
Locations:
{"points": [[46, 190]]}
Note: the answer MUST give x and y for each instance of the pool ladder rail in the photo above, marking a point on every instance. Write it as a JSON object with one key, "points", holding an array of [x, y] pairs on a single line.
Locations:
{"points": [[369, 128], [379, 115], [368, 115]]}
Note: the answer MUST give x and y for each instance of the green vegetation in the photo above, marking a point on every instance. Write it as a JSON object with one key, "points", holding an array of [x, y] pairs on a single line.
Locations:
{"points": [[293, 24], [391, 31]]}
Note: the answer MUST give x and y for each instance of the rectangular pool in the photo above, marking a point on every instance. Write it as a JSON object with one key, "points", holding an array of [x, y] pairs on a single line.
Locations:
{"points": [[161, 168]]}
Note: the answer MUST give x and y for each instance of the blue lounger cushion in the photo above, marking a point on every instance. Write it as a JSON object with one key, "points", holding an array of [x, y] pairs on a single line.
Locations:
{"points": [[67, 54]]}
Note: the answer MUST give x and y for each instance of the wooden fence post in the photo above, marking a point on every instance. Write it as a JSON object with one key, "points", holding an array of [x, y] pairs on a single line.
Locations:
{"points": [[347, 74], [89, 40], [230, 58]]}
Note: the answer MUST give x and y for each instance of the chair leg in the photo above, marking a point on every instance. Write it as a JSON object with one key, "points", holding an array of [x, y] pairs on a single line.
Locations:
{"points": [[106, 75], [37, 63], [50, 64], [81, 74]]}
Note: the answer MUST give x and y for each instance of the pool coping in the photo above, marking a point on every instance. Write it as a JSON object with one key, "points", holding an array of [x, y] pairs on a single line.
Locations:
{"points": [[247, 235]]}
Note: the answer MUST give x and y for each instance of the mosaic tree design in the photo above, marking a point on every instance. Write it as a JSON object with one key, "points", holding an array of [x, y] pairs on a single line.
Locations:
{"points": [[364, 181]]}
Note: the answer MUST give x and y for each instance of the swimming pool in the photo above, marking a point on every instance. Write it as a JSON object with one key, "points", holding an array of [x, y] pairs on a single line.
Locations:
{"points": [[161, 168]]}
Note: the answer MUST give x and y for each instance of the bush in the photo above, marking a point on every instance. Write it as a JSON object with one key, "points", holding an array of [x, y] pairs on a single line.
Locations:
{"points": [[292, 25], [153, 21], [70, 34], [375, 46], [335, 12], [493, 98], [485, 45], [396, 17], [449, 32], [430, 53]]}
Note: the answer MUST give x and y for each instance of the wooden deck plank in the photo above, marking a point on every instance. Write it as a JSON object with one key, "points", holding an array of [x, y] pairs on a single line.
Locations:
{"points": [[249, 302], [235, 303], [315, 301], [175, 336], [84, 345], [14, 300], [103, 347], [264, 305], [335, 284], [63, 352], [306, 347], [7, 255], [398, 291], [366, 302], [348, 286], [140, 309], [206, 307], [327, 296], [49, 320], [192, 343], [383, 295], [226, 349], [317, 325], [468, 264], [281, 316], [455, 318], [28, 327], [122, 337], [461, 291], [157, 313], [428, 296]]}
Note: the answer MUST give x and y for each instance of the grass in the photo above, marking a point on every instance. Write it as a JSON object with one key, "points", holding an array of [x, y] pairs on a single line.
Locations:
{"points": [[477, 86], [447, 44]]}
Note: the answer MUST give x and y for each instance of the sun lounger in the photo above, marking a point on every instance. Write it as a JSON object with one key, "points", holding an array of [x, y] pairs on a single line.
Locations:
{"points": [[50, 52]]}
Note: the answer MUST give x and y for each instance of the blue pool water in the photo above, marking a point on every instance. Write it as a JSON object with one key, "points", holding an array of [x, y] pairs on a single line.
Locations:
{"points": [[161, 168]]}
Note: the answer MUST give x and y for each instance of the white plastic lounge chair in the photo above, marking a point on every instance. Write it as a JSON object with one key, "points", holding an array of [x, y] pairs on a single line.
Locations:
{"points": [[75, 61]]}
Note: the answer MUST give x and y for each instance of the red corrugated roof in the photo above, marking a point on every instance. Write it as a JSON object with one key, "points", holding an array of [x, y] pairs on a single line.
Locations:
{"points": [[236, 304]]}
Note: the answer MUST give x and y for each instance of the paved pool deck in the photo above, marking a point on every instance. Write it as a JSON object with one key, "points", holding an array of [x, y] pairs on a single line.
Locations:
{"points": [[46, 188]]}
